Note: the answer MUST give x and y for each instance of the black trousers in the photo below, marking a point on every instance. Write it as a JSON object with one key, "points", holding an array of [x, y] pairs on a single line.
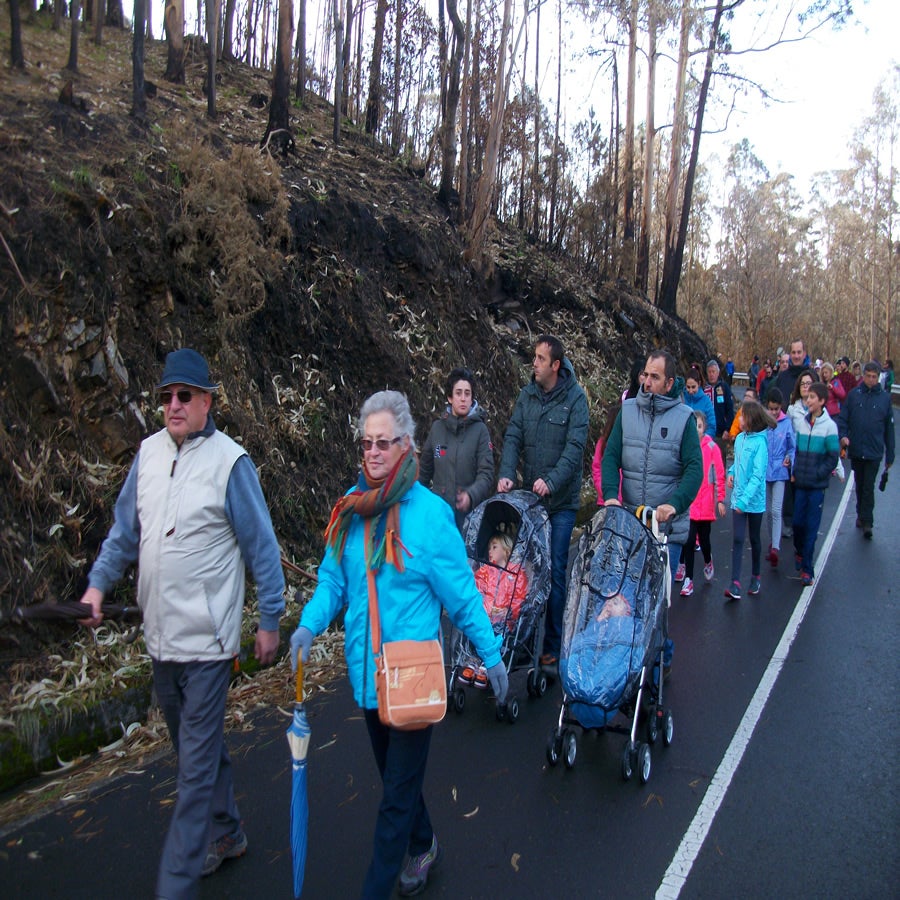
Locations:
{"points": [[865, 472]]}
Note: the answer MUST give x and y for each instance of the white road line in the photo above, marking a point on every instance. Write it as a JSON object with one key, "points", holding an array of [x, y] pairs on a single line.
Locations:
{"points": [[679, 869]]}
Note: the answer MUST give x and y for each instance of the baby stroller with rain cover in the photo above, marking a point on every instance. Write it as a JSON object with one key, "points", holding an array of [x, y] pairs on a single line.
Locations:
{"points": [[515, 594], [614, 628]]}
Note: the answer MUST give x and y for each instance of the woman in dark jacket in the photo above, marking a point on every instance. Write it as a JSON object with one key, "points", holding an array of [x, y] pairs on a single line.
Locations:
{"points": [[457, 460]]}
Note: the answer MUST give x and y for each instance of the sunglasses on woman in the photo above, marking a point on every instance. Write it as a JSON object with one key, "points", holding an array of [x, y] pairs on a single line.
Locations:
{"points": [[383, 444]]}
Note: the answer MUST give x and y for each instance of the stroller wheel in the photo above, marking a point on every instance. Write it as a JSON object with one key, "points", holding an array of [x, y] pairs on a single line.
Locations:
{"points": [[508, 711], [668, 727], [459, 700], [554, 747], [570, 748], [628, 762], [643, 755], [531, 683]]}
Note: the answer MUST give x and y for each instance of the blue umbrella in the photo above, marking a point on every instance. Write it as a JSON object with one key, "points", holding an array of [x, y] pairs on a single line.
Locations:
{"points": [[298, 739]]}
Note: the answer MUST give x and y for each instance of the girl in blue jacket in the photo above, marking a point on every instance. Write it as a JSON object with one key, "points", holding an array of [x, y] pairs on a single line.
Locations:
{"points": [[747, 481]]}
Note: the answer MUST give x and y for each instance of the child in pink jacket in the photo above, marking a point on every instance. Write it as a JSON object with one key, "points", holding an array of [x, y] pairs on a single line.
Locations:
{"points": [[708, 504]]}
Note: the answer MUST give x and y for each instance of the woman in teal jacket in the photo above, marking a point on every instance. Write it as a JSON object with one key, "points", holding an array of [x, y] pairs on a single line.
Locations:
{"points": [[747, 481], [420, 564]]}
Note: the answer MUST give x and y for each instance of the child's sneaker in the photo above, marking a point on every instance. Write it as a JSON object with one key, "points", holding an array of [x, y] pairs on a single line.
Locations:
{"points": [[679, 572], [709, 571], [773, 558], [481, 680], [688, 588], [466, 675], [807, 579], [734, 592], [754, 585]]}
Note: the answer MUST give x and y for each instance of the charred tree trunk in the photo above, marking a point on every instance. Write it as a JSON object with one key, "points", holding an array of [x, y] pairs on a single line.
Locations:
{"points": [[138, 95], [58, 6], [16, 52], [300, 90], [626, 264], [338, 71], [373, 101], [115, 16], [673, 261], [173, 22], [99, 14], [642, 273], [212, 39], [396, 137], [448, 131], [279, 109], [72, 64], [228, 31]]}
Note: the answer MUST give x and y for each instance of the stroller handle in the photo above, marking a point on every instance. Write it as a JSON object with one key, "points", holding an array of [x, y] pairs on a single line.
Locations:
{"points": [[647, 517]]}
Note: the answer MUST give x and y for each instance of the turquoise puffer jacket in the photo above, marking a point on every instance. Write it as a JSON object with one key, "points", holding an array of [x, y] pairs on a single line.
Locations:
{"points": [[437, 573]]}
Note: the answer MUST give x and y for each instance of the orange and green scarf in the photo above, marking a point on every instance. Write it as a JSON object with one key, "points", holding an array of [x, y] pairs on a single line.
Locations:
{"points": [[375, 499]]}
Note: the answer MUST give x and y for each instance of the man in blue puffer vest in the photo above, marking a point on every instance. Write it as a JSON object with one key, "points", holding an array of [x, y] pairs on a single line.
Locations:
{"points": [[548, 429], [655, 445]]}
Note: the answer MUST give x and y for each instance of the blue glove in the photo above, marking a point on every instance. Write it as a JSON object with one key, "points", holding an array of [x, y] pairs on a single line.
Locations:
{"points": [[301, 640], [499, 681]]}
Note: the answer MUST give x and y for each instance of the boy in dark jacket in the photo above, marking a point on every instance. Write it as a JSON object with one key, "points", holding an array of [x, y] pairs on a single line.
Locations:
{"points": [[816, 453], [866, 429]]}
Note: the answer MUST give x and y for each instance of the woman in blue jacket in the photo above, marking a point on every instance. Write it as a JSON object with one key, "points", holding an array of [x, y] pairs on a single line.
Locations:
{"points": [[420, 564], [695, 397], [747, 482]]}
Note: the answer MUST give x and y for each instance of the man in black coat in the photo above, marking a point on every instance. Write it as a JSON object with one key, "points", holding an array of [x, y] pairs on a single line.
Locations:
{"points": [[866, 429], [787, 378]]}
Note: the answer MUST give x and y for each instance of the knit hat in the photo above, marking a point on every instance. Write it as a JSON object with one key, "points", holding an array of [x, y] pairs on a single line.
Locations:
{"points": [[188, 367]]}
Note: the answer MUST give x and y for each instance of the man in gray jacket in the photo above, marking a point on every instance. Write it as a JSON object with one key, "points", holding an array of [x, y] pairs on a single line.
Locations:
{"points": [[192, 514], [548, 430]]}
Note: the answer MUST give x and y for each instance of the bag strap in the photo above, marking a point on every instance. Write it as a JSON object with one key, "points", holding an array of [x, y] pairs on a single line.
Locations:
{"points": [[374, 617]]}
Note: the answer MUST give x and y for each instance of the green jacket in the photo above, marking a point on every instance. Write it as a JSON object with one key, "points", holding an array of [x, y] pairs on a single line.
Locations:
{"points": [[548, 431]]}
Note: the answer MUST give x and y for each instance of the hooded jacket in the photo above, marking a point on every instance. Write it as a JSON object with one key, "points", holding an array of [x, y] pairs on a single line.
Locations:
{"points": [[751, 459], [458, 455], [712, 487], [548, 430], [436, 574], [700, 402], [867, 419], [781, 446], [654, 442]]}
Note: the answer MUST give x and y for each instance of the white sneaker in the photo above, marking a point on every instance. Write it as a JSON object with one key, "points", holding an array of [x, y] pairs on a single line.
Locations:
{"points": [[688, 588], [679, 572], [709, 571]]}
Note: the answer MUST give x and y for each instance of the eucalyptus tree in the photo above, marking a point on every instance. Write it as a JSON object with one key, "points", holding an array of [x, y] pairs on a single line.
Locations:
{"points": [[16, 53], [173, 23], [279, 124]]}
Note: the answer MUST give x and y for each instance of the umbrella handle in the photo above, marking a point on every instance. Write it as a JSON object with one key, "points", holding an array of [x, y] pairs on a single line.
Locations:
{"points": [[298, 695]]}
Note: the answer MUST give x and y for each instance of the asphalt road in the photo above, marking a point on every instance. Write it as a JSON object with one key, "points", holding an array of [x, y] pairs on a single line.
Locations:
{"points": [[795, 798]]}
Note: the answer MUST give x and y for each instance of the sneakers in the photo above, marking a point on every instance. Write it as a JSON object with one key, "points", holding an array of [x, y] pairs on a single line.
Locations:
{"points": [[798, 561], [773, 558], [480, 680], [466, 675], [415, 876], [679, 572], [734, 592], [229, 846], [754, 585], [807, 579], [688, 588], [709, 571]]}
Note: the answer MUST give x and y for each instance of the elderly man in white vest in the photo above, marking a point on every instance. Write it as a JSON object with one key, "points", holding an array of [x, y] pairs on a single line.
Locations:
{"points": [[192, 515]]}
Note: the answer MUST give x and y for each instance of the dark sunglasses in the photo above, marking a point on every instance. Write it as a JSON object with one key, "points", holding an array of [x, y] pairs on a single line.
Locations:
{"points": [[184, 396], [382, 444]]}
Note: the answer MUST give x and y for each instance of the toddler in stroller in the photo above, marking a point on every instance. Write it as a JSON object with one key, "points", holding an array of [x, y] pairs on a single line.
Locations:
{"points": [[614, 629], [508, 544]]}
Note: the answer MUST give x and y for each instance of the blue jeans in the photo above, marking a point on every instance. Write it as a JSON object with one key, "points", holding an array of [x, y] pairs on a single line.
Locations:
{"points": [[403, 823], [561, 525], [807, 518], [192, 698]]}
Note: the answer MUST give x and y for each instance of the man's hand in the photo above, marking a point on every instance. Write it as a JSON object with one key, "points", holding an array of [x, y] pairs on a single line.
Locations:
{"points": [[463, 501], [266, 646], [664, 512], [845, 442], [540, 488], [92, 597], [504, 485]]}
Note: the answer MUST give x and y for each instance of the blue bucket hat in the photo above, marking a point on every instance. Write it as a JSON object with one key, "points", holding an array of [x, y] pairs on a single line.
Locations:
{"points": [[186, 366]]}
